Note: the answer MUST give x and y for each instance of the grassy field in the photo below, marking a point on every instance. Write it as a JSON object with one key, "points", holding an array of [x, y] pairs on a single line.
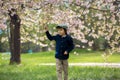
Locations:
{"points": [[30, 70], [82, 56]]}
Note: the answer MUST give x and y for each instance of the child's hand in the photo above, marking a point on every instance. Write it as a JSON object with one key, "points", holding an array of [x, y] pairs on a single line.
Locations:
{"points": [[46, 28], [65, 53]]}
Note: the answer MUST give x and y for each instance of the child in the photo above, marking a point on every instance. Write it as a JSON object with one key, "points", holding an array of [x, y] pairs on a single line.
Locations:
{"points": [[64, 44]]}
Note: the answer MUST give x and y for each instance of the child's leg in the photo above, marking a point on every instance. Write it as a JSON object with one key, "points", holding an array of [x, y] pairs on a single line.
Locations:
{"points": [[65, 69], [59, 69]]}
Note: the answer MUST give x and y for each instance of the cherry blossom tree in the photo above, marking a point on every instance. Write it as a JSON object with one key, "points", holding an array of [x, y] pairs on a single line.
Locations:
{"points": [[13, 11], [87, 20]]}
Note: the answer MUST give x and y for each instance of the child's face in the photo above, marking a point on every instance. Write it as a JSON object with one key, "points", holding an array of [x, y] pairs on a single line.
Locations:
{"points": [[61, 31]]}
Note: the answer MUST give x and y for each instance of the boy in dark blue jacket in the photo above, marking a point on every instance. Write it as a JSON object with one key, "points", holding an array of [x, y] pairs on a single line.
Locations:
{"points": [[64, 44]]}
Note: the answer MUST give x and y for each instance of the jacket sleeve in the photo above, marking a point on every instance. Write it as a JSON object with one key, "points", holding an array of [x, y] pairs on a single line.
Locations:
{"points": [[49, 36], [71, 45]]}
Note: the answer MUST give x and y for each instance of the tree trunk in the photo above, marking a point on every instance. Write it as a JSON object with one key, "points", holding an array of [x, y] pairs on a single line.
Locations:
{"points": [[14, 39]]}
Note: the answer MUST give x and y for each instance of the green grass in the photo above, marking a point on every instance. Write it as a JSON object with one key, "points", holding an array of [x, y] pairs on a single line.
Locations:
{"points": [[48, 57], [94, 57], [81, 57], [30, 70]]}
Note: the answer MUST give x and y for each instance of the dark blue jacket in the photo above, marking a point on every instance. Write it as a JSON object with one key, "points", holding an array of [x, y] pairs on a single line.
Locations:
{"points": [[62, 44]]}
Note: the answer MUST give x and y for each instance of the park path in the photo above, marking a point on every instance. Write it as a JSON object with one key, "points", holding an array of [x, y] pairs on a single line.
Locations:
{"points": [[116, 65]]}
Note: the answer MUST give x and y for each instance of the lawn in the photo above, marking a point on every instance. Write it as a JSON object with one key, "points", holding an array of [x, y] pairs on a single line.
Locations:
{"points": [[30, 70], [82, 56]]}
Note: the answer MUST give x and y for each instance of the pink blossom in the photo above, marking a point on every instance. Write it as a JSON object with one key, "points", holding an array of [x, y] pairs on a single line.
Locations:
{"points": [[52, 1], [78, 2], [108, 1], [88, 5], [3, 26], [84, 41], [112, 8], [70, 1], [90, 43]]}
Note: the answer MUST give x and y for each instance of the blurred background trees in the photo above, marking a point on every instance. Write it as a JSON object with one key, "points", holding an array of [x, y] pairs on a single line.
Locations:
{"points": [[92, 24]]}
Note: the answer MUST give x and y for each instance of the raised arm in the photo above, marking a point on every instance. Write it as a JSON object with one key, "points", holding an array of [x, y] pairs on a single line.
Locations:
{"points": [[49, 36]]}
